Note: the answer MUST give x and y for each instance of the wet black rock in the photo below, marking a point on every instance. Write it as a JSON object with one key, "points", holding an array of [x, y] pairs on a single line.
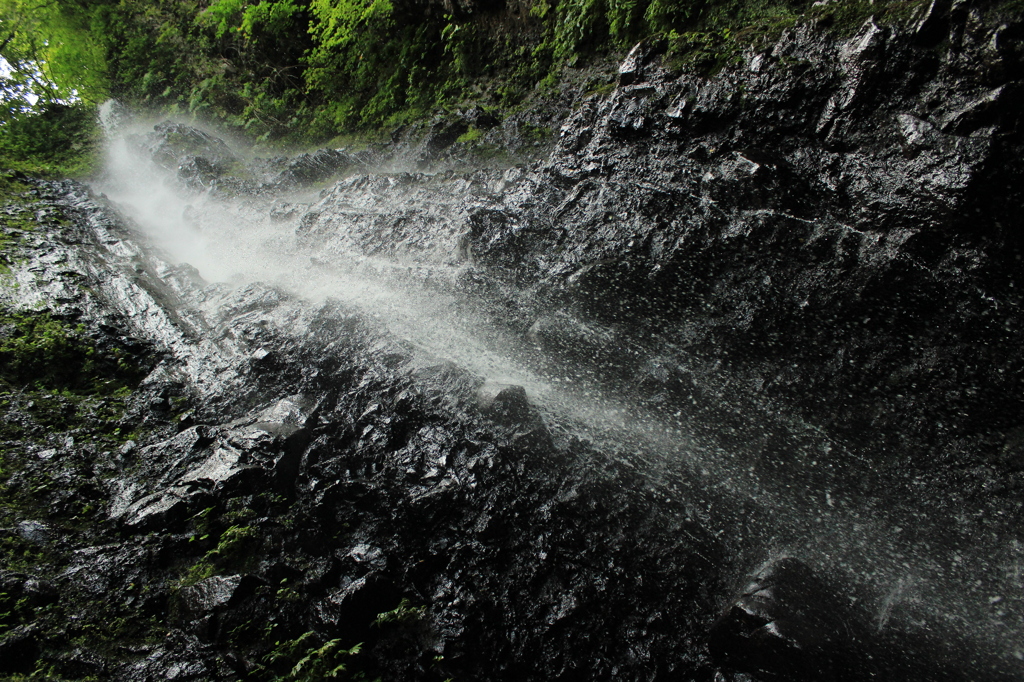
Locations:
{"points": [[831, 205], [441, 134], [307, 169], [36, 532], [198, 172], [787, 624], [195, 155], [505, 403], [481, 119], [578, 342], [205, 609], [209, 594]]}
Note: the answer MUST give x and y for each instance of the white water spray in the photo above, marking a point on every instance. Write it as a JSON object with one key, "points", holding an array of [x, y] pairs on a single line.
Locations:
{"points": [[900, 557]]}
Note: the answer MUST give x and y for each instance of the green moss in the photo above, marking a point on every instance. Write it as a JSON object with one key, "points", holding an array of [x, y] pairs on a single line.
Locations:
{"points": [[492, 153], [535, 133], [17, 554], [232, 554], [600, 89], [43, 352], [306, 658], [470, 136], [403, 613], [13, 186]]}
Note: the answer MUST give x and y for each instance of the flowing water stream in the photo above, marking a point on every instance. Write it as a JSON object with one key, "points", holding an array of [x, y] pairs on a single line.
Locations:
{"points": [[960, 573]]}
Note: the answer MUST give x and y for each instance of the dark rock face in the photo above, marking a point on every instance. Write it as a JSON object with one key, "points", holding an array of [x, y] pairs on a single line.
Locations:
{"points": [[349, 483], [786, 623], [838, 207], [307, 169], [197, 157], [776, 306]]}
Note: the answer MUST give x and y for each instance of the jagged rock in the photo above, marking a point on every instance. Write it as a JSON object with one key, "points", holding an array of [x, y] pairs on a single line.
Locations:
{"points": [[563, 335], [631, 68], [165, 509], [932, 24], [307, 169], [40, 592], [216, 470], [632, 109], [286, 211], [786, 624], [182, 658], [505, 403], [198, 172], [81, 663], [155, 393], [535, 439], [357, 601], [441, 134], [173, 144], [989, 109], [214, 593], [11, 583], [478, 117], [36, 532]]}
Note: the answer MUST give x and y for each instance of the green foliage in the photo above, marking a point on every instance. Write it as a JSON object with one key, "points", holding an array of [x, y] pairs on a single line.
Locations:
{"points": [[373, 71], [339, 23], [725, 29], [580, 26], [55, 69], [470, 136], [233, 552], [310, 661], [40, 351], [251, 21], [403, 613], [662, 16], [535, 133], [308, 70], [224, 16], [54, 139], [52, 55]]}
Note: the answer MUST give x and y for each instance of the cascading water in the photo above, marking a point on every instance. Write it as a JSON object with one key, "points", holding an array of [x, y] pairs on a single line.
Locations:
{"points": [[900, 561]]}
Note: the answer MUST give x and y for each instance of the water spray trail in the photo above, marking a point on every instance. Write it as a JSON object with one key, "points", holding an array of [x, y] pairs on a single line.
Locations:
{"points": [[236, 241]]}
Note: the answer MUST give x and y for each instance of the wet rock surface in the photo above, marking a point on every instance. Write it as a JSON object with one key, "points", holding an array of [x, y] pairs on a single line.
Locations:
{"points": [[786, 623], [776, 306]]}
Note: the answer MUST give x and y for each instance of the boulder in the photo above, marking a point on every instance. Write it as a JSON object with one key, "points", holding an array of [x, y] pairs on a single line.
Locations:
{"points": [[505, 403], [173, 144], [36, 532], [197, 172], [164, 509], [215, 593], [307, 169], [785, 623], [442, 134]]}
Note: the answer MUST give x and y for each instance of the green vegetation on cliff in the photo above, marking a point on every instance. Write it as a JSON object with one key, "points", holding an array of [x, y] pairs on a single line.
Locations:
{"points": [[305, 71]]}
